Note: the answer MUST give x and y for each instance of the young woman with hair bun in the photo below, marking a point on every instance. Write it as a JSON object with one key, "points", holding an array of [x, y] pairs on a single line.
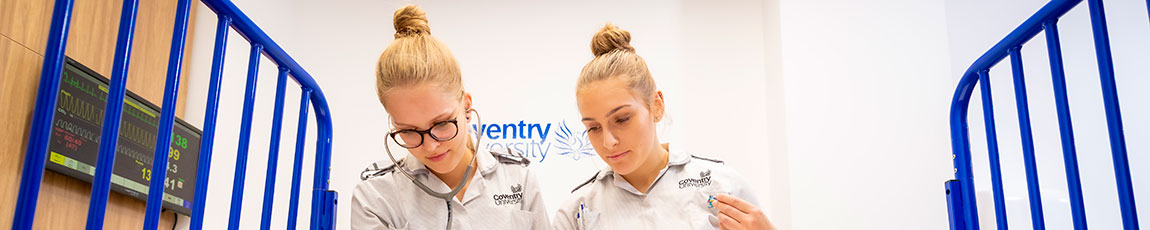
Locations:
{"points": [[447, 181], [647, 184]]}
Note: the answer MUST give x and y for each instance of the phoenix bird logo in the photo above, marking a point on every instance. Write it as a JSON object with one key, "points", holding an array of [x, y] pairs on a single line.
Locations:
{"points": [[573, 144]]}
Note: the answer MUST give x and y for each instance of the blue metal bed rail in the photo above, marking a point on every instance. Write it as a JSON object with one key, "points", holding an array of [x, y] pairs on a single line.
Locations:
{"points": [[323, 200], [960, 191]]}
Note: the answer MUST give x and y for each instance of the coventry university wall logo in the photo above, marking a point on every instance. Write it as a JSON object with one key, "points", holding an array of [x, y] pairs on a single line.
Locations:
{"points": [[536, 140], [573, 144]]}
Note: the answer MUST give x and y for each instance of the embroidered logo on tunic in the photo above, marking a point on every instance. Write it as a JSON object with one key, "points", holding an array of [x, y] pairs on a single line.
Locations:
{"points": [[515, 197], [703, 180]]}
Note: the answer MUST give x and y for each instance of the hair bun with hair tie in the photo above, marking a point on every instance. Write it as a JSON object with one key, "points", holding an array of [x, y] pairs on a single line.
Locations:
{"points": [[410, 21], [611, 38]]}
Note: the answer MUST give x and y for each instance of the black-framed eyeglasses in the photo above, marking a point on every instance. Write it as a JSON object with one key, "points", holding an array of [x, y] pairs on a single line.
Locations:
{"points": [[440, 131]]}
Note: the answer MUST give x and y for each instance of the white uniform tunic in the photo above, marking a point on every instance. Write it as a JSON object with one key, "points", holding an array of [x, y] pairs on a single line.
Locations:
{"points": [[678, 199], [503, 194]]}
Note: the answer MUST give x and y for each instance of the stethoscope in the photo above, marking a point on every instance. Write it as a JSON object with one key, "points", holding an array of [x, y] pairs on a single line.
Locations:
{"points": [[462, 181]]}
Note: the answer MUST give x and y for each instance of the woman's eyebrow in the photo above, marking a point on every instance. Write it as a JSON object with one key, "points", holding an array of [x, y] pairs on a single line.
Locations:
{"points": [[616, 109], [437, 119]]}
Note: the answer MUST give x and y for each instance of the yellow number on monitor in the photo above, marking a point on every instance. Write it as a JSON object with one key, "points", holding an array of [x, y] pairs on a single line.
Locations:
{"points": [[174, 153], [147, 174]]}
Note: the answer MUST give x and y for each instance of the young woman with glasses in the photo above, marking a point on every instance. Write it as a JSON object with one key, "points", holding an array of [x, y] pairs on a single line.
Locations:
{"points": [[447, 180]]}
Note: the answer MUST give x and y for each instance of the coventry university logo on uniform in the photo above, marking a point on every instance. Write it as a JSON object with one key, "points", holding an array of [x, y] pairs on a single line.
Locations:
{"points": [[515, 197], [703, 181], [536, 140]]}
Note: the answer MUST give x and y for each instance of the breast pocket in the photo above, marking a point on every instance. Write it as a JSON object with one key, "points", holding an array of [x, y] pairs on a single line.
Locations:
{"points": [[701, 211], [589, 221], [501, 218], [521, 219]]}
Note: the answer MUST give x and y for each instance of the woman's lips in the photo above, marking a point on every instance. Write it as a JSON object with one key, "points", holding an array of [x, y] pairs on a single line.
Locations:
{"points": [[438, 157], [616, 157]]}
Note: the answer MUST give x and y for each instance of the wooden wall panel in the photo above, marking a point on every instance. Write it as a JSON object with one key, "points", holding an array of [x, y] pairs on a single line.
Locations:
{"points": [[17, 96], [24, 28]]}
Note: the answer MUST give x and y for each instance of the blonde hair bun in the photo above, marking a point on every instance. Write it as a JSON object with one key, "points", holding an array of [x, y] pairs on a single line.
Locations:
{"points": [[610, 38], [416, 57], [410, 21]]}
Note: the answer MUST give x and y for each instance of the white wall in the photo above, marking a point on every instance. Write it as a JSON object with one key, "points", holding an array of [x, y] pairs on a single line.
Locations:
{"points": [[866, 87], [975, 26]]}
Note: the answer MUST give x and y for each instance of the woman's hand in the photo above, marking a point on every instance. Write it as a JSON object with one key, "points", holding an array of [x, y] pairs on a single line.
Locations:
{"points": [[737, 214]]}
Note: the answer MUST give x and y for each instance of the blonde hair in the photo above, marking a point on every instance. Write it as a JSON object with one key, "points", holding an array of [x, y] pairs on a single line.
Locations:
{"points": [[616, 59], [415, 57]]}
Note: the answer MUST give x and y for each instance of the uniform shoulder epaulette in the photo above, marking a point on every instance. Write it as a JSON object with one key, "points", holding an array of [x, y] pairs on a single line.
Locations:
{"points": [[511, 157], [377, 169], [707, 159], [586, 183]]}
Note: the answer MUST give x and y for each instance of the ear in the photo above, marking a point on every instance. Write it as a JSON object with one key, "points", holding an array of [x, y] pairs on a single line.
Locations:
{"points": [[657, 106], [467, 105]]}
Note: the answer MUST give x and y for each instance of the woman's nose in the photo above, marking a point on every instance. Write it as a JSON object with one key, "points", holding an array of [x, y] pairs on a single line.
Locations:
{"points": [[429, 144], [609, 139]]}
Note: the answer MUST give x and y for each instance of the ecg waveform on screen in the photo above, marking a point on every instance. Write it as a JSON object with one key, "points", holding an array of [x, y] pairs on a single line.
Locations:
{"points": [[76, 135], [90, 89], [138, 135], [77, 107], [95, 113]]}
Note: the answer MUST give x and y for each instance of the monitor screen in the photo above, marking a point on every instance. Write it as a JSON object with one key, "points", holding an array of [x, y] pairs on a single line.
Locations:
{"points": [[75, 140]]}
